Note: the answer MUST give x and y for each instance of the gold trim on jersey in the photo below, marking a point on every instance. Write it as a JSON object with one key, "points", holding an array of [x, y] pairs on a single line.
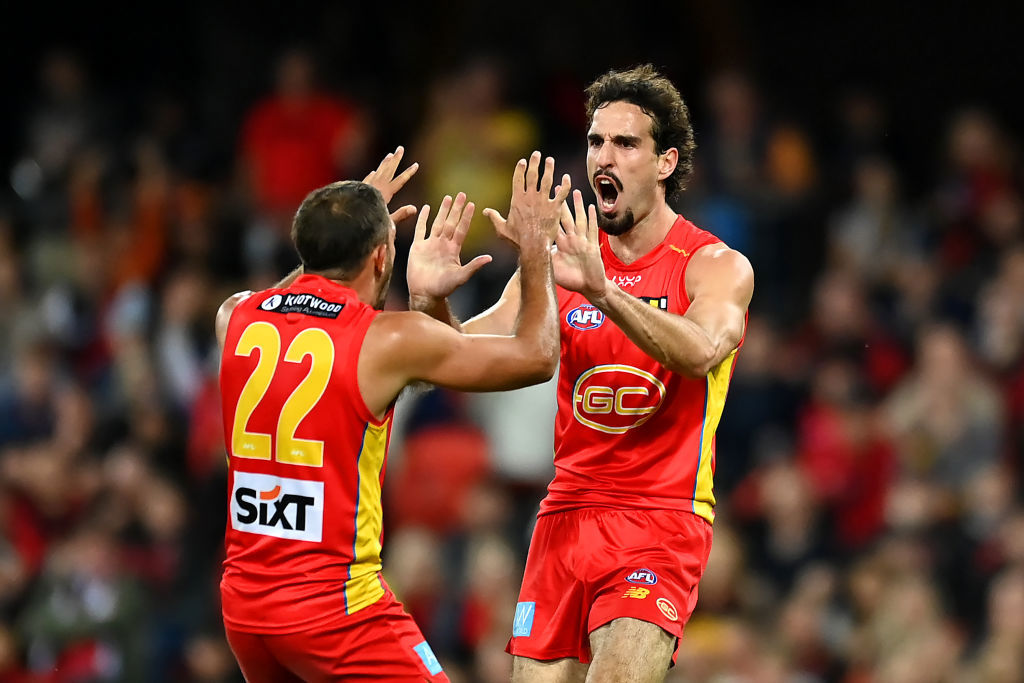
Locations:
{"points": [[718, 386], [364, 587]]}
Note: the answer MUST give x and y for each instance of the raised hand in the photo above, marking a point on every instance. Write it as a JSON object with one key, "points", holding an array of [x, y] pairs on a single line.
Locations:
{"points": [[577, 258], [385, 180], [435, 267], [532, 212]]}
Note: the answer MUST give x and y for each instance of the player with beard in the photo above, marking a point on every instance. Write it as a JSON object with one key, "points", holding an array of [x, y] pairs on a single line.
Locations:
{"points": [[310, 370], [652, 313]]}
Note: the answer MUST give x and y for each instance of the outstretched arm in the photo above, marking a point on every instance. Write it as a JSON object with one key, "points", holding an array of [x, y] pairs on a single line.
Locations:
{"points": [[500, 318], [406, 347], [435, 272], [435, 267]]}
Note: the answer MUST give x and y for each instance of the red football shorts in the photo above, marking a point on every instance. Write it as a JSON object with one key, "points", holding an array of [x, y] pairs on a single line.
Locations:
{"points": [[590, 566], [378, 643]]}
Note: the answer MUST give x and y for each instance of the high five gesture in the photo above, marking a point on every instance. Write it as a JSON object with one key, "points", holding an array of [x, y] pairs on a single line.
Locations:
{"points": [[577, 256]]}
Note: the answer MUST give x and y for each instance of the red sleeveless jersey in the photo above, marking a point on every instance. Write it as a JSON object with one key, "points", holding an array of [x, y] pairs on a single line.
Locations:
{"points": [[306, 460], [630, 433]]}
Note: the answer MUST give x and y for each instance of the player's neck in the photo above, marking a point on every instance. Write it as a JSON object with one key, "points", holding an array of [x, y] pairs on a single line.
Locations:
{"points": [[645, 235], [364, 284]]}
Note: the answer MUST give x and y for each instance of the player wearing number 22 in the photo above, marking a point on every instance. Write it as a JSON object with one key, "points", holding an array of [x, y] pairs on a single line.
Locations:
{"points": [[309, 374]]}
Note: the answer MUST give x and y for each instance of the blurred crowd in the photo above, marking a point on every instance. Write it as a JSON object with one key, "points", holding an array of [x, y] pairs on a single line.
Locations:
{"points": [[870, 524]]}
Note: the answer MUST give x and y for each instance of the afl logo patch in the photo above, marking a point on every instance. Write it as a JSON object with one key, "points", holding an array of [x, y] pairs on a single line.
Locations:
{"points": [[272, 303], [668, 609], [585, 317], [644, 576]]}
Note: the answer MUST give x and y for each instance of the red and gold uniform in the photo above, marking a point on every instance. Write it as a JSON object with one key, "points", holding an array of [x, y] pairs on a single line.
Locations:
{"points": [[625, 529], [302, 584]]}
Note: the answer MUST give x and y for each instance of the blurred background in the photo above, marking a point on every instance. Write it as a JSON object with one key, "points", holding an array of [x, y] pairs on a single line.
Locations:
{"points": [[864, 155]]}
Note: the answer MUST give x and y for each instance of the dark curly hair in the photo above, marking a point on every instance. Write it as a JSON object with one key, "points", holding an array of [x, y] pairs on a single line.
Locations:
{"points": [[659, 99]]}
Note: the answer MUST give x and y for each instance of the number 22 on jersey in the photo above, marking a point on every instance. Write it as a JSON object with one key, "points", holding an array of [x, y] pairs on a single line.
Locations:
{"points": [[313, 342]]}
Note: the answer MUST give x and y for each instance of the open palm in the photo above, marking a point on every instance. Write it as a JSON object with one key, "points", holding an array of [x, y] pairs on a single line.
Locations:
{"points": [[435, 267], [577, 258]]}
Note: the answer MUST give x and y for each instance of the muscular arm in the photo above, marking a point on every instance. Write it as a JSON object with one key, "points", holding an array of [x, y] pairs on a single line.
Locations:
{"points": [[501, 317], [438, 309], [720, 282], [498, 319], [406, 347]]}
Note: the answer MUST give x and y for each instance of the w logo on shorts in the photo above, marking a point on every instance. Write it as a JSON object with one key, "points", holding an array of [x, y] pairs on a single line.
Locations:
{"points": [[522, 625]]}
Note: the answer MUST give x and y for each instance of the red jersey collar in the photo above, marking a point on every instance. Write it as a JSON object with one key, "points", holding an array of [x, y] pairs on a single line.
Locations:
{"points": [[611, 260], [319, 282]]}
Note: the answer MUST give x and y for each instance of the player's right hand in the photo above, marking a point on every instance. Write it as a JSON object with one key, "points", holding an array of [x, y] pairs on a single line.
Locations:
{"points": [[435, 267], [533, 214]]}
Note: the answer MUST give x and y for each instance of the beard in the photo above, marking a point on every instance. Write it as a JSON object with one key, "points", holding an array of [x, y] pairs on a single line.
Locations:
{"points": [[615, 225]]}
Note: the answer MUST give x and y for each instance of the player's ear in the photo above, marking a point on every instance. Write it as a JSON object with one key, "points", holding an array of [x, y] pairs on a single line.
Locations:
{"points": [[380, 257], [667, 161]]}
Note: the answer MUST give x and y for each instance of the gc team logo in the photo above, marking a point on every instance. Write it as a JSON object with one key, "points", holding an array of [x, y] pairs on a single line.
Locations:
{"points": [[668, 609], [272, 303], [616, 398], [585, 317]]}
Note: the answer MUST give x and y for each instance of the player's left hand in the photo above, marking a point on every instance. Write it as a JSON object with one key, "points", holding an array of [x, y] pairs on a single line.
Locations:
{"points": [[435, 267], [577, 252], [385, 180]]}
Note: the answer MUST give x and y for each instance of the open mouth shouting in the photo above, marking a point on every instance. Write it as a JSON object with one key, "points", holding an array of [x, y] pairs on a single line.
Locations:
{"points": [[607, 188]]}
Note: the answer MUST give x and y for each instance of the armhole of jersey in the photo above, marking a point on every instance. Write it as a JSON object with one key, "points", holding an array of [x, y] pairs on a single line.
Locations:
{"points": [[706, 239], [683, 294], [746, 322], [355, 349], [231, 321]]}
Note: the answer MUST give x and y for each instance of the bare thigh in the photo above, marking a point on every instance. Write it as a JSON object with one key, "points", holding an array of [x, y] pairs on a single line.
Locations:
{"points": [[569, 670], [630, 651]]}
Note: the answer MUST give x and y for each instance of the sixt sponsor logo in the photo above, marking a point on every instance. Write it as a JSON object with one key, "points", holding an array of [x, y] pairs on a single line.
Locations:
{"points": [[276, 506], [616, 398], [306, 304], [585, 317], [644, 576]]}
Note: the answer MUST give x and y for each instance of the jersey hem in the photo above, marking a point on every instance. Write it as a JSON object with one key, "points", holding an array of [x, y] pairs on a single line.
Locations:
{"points": [[319, 621], [547, 658], [701, 509]]}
